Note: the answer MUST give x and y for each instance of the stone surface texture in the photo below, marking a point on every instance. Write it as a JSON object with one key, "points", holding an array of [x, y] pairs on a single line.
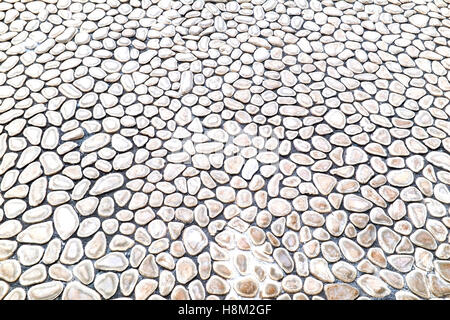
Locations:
{"points": [[212, 149]]}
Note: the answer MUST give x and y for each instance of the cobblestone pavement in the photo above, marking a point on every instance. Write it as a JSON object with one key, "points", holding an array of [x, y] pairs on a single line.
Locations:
{"points": [[197, 149]]}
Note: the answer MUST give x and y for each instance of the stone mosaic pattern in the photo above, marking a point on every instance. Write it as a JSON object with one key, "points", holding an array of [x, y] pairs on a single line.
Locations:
{"points": [[201, 149]]}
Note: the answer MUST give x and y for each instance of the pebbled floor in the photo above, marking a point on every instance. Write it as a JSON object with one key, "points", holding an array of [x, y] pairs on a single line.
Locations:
{"points": [[224, 149]]}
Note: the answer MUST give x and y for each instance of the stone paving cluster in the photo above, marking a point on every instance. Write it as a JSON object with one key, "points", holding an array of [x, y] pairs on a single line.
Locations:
{"points": [[212, 149]]}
